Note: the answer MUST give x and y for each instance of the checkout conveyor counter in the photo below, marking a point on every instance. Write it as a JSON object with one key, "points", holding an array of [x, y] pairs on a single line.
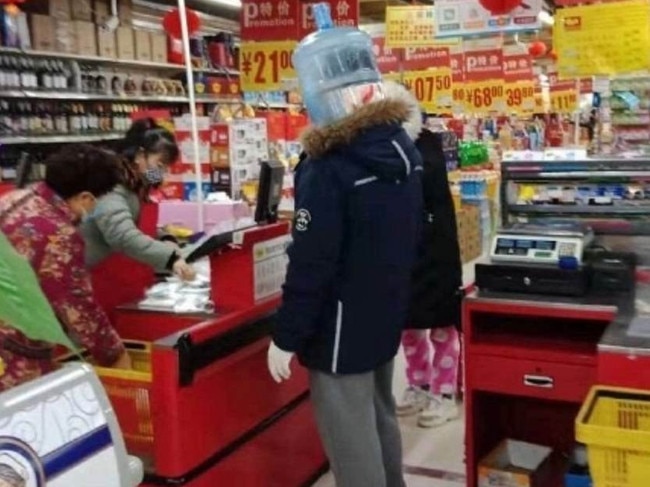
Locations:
{"points": [[200, 409]]}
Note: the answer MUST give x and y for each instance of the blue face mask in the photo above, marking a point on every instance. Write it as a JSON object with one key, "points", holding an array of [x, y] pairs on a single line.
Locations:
{"points": [[154, 176]]}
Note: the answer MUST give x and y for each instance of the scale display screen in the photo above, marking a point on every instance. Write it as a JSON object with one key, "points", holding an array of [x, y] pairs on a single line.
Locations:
{"points": [[510, 246]]}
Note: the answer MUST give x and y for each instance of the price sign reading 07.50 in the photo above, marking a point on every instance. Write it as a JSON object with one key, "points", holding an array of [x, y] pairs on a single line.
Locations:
{"points": [[433, 89], [265, 65]]}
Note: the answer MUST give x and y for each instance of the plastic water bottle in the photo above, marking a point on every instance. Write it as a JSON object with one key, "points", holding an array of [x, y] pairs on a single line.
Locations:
{"points": [[331, 61]]}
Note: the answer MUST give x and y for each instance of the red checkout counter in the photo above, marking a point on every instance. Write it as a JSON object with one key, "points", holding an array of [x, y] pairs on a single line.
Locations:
{"points": [[208, 413], [530, 362]]}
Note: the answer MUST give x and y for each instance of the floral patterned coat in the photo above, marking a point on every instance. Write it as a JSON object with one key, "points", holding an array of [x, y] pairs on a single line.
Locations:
{"points": [[41, 228]]}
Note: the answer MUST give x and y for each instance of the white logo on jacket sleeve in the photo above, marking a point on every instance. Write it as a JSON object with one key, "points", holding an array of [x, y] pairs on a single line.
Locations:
{"points": [[303, 219]]}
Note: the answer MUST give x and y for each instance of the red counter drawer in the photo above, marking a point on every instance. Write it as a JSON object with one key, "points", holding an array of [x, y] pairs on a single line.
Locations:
{"points": [[537, 379], [624, 370]]}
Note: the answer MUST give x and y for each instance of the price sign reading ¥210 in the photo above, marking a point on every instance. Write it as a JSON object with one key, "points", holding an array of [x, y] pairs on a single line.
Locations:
{"points": [[265, 65], [433, 88]]}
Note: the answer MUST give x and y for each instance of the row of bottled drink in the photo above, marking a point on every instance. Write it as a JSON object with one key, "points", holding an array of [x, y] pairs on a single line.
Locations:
{"points": [[35, 74], [52, 118]]}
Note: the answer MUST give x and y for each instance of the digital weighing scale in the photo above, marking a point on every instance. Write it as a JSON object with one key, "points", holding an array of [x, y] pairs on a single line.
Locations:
{"points": [[540, 244]]}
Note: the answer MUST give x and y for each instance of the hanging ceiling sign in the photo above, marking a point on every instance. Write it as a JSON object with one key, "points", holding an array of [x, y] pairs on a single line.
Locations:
{"points": [[411, 26], [345, 13], [387, 59], [269, 20], [420, 58], [462, 18]]}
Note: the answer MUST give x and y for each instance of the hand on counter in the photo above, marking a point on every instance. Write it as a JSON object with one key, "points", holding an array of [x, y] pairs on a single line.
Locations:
{"points": [[279, 363], [184, 270], [124, 362]]}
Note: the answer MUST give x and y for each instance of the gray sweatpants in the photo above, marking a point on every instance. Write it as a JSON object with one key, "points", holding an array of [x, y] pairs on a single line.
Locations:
{"points": [[357, 423]]}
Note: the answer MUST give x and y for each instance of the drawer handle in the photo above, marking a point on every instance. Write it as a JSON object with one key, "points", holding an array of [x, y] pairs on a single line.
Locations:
{"points": [[541, 381]]}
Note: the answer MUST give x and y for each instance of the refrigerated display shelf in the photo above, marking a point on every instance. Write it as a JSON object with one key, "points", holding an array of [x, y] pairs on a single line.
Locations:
{"points": [[582, 209]]}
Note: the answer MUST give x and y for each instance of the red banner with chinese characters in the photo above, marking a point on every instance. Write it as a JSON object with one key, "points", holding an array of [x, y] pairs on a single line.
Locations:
{"points": [[483, 65], [457, 62], [345, 13], [517, 67], [421, 58], [269, 20], [387, 59]]}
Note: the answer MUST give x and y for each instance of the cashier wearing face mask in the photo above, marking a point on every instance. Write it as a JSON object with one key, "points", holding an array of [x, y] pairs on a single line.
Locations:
{"points": [[147, 152], [41, 222]]}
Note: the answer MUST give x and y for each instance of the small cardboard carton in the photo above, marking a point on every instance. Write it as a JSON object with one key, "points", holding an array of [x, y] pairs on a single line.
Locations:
{"points": [[515, 464]]}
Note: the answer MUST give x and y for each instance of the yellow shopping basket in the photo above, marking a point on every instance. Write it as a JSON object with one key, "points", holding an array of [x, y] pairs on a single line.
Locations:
{"points": [[615, 426]]}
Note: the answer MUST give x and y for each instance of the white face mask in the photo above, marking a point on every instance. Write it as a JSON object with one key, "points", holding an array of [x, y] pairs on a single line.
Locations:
{"points": [[154, 176]]}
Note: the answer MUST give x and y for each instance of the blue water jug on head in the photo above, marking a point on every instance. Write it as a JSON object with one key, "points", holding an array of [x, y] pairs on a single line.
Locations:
{"points": [[336, 68]]}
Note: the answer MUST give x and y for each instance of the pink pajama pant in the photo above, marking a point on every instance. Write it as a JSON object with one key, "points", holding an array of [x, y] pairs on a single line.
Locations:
{"points": [[441, 373]]}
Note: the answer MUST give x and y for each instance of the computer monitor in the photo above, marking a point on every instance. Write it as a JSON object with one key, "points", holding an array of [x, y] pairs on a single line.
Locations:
{"points": [[269, 192]]}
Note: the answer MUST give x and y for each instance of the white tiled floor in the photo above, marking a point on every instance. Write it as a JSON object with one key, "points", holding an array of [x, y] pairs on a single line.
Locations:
{"points": [[439, 449]]}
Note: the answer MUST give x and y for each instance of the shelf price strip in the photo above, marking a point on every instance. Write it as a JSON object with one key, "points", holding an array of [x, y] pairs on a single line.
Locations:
{"points": [[265, 65]]}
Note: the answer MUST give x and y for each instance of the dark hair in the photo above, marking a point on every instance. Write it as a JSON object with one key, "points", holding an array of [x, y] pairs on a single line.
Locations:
{"points": [[81, 167], [146, 135]]}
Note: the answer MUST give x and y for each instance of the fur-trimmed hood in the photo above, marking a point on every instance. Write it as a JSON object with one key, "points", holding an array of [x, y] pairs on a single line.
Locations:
{"points": [[318, 141], [413, 124]]}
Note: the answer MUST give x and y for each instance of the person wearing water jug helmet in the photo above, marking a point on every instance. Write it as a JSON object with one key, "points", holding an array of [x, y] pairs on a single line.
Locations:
{"points": [[357, 217]]}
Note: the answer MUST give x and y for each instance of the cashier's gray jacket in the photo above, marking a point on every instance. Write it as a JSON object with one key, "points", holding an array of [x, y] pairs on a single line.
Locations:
{"points": [[113, 228]]}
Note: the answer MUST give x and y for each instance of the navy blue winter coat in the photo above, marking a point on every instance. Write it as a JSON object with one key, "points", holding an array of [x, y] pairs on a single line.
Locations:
{"points": [[357, 217]]}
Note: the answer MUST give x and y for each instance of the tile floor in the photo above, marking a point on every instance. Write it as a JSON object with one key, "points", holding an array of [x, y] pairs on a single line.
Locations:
{"points": [[432, 457]]}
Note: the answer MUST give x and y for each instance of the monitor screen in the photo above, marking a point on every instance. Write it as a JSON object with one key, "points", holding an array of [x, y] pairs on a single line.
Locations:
{"points": [[269, 192]]}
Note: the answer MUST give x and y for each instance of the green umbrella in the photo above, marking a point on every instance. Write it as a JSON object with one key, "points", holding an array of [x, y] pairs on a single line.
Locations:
{"points": [[22, 303]]}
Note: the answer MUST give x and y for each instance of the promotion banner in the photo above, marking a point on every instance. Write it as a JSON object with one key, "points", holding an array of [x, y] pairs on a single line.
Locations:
{"points": [[275, 20], [517, 67], [345, 13], [410, 26], [457, 62], [388, 59], [462, 18], [483, 64], [481, 97], [421, 58], [264, 65], [602, 39], [520, 97], [432, 88]]}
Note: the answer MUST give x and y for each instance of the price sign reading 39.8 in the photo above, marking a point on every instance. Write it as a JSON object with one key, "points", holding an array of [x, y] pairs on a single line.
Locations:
{"points": [[520, 97], [265, 65]]}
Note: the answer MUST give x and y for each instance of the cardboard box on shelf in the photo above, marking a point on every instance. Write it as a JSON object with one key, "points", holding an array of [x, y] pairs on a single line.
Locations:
{"points": [[125, 43], [515, 464], [142, 45], [65, 37], [60, 9], [106, 43], [86, 38], [102, 11], [125, 11], [43, 32], [82, 10], [158, 47]]}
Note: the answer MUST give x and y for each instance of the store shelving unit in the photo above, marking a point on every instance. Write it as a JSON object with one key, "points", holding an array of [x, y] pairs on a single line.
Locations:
{"points": [[611, 195], [61, 139]]}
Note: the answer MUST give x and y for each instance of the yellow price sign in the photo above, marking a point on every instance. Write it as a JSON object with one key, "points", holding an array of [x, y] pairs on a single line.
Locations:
{"points": [[520, 97], [433, 89], [484, 96], [265, 65], [565, 101]]}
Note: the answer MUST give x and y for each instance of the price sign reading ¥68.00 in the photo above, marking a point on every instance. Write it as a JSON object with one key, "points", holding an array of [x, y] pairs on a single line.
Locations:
{"points": [[265, 65], [484, 96], [564, 101], [520, 97], [433, 88]]}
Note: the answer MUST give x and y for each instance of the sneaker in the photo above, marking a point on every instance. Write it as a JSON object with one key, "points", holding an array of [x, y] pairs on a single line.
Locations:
{"points": [[439, 411], [415, 400]]}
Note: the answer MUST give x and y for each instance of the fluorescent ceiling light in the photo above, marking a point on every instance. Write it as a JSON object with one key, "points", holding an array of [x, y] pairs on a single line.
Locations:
{"points": [[545, 18], [228, 3]]}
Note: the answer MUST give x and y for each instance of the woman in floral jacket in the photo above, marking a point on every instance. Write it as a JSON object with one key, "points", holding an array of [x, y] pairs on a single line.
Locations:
{"points": [[41, 224]]}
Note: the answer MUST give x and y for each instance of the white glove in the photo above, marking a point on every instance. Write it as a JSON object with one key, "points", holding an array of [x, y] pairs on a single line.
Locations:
{"points": [[279, 363]]}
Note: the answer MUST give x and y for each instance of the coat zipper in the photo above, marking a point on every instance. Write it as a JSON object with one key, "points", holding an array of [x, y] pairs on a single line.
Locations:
{"points": [[337, 337]]}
